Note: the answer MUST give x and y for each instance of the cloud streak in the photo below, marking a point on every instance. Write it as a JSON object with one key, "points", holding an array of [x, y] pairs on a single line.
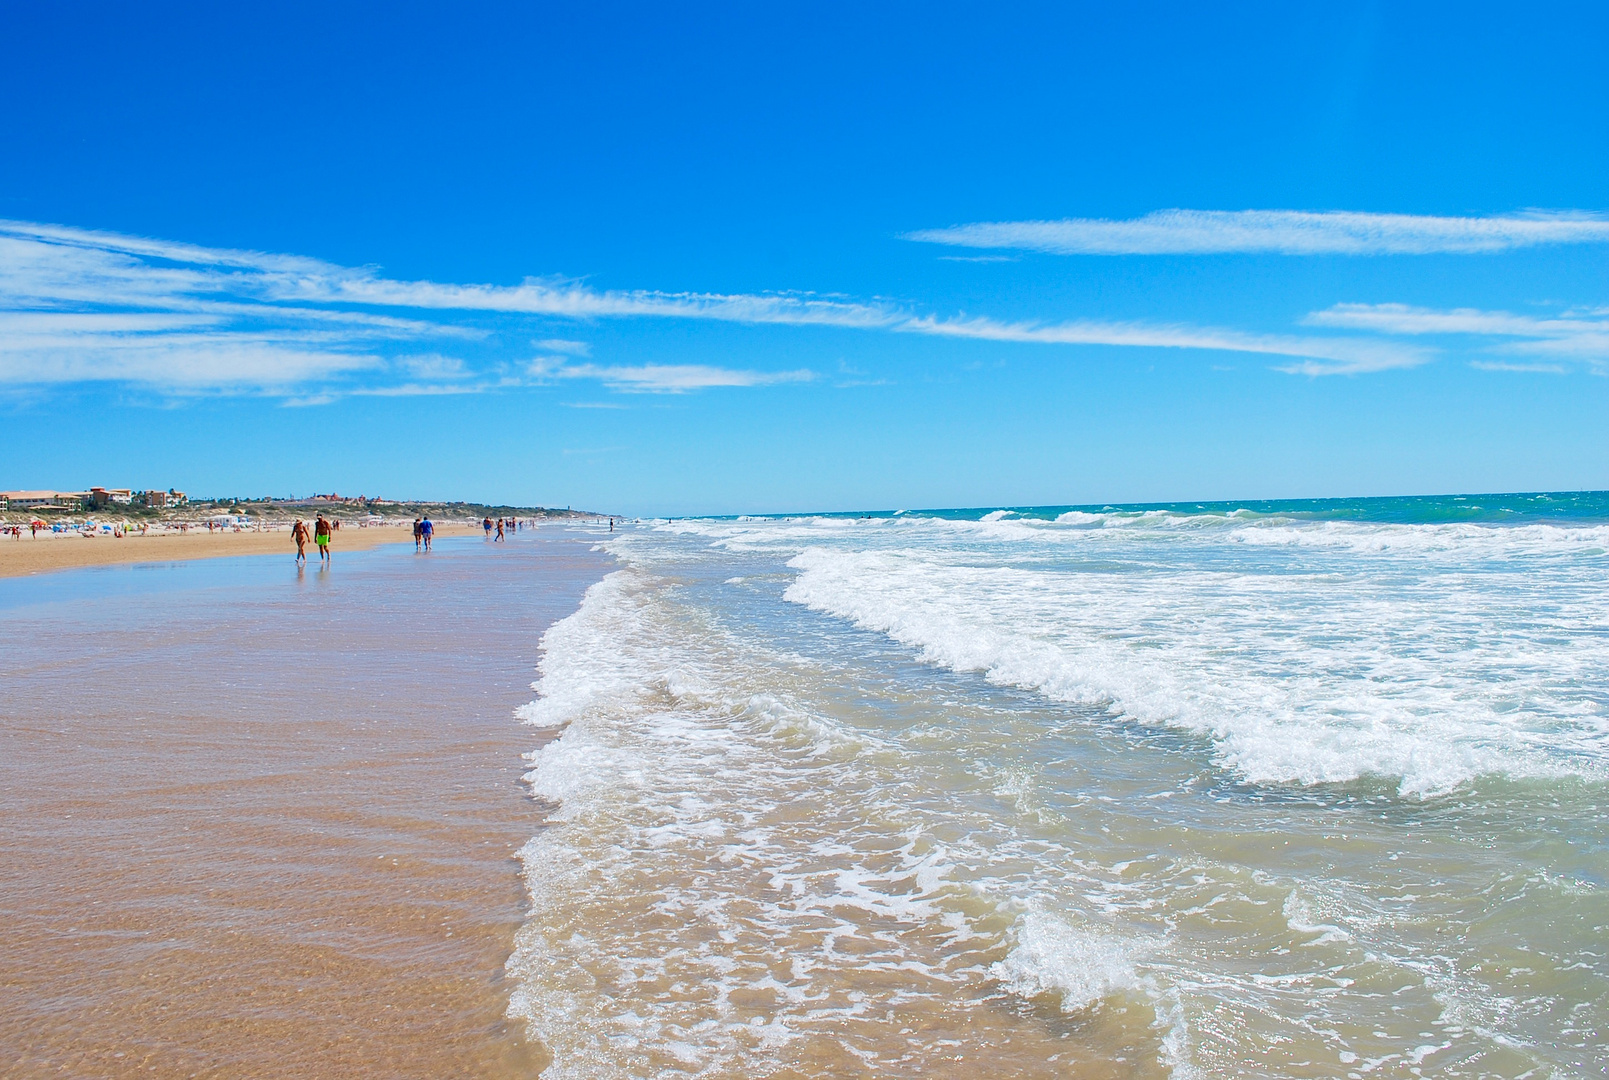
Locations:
{"points": [[1282, 232], [1577, 336], [1310, 355], [1533, 369], [664, 378], [82, 306]]}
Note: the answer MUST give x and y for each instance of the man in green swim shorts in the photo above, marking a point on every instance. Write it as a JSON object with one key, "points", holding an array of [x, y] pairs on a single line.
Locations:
{"points": [[321, 537]]}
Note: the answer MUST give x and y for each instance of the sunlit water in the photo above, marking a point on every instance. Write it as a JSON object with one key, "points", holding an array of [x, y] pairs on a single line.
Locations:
{"points": [[1300, 790]]}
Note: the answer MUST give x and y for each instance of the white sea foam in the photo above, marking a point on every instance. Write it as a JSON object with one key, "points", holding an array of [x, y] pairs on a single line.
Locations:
{"points": [[1080, 966], [677, 857], [1295, 677], [773, 834], [571, 681], [677, 742], [1185, 534]]}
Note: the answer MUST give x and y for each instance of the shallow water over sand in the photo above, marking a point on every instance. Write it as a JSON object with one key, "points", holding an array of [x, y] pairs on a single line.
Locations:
{"points": [[1185, 795], [261, 823]]}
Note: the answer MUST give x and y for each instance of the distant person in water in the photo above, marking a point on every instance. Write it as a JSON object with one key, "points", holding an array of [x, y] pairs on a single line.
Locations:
{"points": [[418, 533], [321, 537], [487, 525], [499, 528], [426, 531], [299, 534]]}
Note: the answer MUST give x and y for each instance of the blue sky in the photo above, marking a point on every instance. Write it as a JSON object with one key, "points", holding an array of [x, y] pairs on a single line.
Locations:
{"points": [[656, 261]]}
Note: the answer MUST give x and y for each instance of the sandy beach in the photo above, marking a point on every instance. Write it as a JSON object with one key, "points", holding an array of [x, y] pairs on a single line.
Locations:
{"points": [[261, 821], [65, 551]]}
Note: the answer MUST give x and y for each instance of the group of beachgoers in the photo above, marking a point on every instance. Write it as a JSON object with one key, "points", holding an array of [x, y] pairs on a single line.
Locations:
{"points": [[424, 530], [504, 526], [87, 529], [322, 528]]}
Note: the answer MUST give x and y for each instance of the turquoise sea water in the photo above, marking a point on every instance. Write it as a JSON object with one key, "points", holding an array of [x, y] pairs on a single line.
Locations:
{"points": [[1555, 506], [1307, 788]]}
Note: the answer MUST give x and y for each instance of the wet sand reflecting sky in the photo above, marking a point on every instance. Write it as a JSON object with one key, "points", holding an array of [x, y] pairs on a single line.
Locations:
{"points": [[262, 823]]}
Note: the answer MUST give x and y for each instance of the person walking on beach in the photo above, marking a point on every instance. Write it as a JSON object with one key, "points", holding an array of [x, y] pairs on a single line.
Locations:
{"points": [[499, 529], [321, 537], [418, 534], [487, 525], [299, 534], [426, 531]]}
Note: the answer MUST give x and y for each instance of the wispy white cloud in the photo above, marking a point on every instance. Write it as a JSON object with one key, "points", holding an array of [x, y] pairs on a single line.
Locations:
{"points": [[417, 390], [1500, 365], [86, 307], [664, 378], [568, 348], [79, 306], [434, 366], [848, 377], [180, 354], [1284, 232], [1581, 336], [1311, 355], [1406, 319], [83, 306]]}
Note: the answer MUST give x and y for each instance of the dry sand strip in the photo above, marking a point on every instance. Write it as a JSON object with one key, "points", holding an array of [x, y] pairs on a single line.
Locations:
{"points": [[45, 553]]}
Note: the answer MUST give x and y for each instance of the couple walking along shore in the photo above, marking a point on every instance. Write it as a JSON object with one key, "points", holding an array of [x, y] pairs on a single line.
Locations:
{"points": [[322, 528]]}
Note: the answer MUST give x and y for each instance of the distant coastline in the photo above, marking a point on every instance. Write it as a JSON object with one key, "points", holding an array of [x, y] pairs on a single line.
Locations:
{"points": [[175, 507], [42, 540]]}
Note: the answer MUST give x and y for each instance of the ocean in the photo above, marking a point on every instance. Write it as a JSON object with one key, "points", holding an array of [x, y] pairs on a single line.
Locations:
{"points": [[1280, 789]]}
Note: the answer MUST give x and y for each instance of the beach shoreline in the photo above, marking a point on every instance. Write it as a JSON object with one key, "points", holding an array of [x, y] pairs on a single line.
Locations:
{"points": [[50, 552], [286, 845]]}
